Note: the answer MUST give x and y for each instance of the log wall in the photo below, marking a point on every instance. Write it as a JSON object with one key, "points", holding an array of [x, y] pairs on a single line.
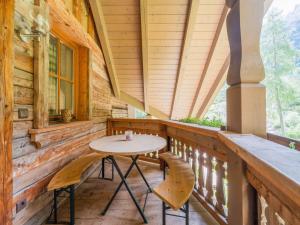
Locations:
{"points": [[39, 153]]}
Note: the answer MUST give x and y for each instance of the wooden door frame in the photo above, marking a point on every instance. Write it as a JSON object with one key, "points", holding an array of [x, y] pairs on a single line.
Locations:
{"points": [[6, 108]]}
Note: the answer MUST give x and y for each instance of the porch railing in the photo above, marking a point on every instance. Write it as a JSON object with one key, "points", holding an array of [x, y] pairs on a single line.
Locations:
{"points": [[288, 142], [240, 179]]}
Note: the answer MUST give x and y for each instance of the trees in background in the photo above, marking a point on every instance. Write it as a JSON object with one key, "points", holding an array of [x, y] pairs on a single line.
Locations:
{"points": [[279, 57]]}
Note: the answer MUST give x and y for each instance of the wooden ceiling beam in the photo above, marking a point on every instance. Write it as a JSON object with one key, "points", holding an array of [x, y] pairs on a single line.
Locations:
{"points": [[103, 36], [217, 84], [209, 58], [139, 105], [189, 29], [267, 5], [144, 30]]}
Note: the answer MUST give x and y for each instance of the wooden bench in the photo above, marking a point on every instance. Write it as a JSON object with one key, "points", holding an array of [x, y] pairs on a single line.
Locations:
{"points": [[66, 179], [177, 187]]}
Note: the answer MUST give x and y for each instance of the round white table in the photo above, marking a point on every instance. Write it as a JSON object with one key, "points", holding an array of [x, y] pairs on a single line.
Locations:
{"points": [[118, 145]]}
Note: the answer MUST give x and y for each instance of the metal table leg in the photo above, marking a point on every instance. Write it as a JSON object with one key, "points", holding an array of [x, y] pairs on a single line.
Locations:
{"points": [[141, 173], [123, 181]]}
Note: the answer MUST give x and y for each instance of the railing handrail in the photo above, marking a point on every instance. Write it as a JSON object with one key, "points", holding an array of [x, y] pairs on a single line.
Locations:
{"points": [[209, 131], [283, 140], [266, 158]]}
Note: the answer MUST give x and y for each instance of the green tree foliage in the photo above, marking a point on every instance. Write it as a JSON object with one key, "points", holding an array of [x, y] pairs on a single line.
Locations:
{"points": [[204, 122], [279, 57]]}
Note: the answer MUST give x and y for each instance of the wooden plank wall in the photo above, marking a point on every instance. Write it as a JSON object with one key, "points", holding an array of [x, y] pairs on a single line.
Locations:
{"points": [[34, 163]]}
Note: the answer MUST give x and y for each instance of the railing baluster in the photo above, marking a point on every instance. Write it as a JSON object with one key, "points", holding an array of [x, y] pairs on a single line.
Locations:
{"points": [[262, 212], [176, 147], [209, 174], [191, 157], [195, 165], [172, 148], [180, 154], [201, 179], [184, 151], [220, 194]]}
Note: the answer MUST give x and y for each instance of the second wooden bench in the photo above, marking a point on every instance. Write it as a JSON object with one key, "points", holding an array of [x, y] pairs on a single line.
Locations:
{"points": [[177, 187]]}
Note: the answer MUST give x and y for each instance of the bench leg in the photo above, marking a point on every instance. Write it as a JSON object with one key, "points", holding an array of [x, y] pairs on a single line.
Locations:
{"points": [[53, 210], [72, 205], [163, 213], [55, 206], [187, 212], [164, 169], [184, 209], [102, 170]]}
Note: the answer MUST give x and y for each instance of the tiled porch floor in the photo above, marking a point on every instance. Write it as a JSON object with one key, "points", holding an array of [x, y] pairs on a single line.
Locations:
{"points": [[93, 194]]}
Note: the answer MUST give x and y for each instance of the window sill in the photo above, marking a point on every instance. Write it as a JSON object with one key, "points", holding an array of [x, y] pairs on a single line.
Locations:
{"points": [[58, 126], [58, 132]]}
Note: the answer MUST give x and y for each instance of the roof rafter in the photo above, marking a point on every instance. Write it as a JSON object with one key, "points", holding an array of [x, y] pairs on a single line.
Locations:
{"points": [[144, 30], [209, 57], [103, 36], [214, 89], [190, 24], [267, 5], [139, 105]]}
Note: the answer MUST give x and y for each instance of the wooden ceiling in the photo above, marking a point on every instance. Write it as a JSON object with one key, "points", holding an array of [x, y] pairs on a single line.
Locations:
{"points": [[167, 57]]}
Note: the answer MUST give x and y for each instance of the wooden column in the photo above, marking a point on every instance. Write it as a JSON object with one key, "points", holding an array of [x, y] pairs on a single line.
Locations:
{"points": [[41, 71], [246, 97], [84, 86], [6, 108]]}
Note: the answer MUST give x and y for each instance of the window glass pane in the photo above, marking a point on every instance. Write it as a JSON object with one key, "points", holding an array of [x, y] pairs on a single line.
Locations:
{"points": [[52, 96], [66, 95], [53, 55], [66, 60]]}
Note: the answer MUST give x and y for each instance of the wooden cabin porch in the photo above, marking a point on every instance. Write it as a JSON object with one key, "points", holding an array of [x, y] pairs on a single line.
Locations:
{"points": [[72, 70]]}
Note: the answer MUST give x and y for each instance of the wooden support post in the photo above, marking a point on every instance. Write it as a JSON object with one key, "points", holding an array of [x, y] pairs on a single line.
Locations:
{"points": [[84, 107], [144, 30], [241, 195], [109, 129], [41, 71], [246, 97], [6, 108]]}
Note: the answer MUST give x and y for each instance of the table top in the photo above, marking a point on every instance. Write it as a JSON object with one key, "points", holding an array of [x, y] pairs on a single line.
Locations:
{"points": [[117, 144]]}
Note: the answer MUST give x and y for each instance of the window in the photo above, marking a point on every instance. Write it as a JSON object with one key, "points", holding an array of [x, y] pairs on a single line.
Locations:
{"points": [[61, 78]]}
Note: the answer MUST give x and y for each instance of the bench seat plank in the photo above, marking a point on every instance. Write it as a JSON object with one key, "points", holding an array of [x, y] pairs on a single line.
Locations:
{"points": [[179, 183], [72, 172]]}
